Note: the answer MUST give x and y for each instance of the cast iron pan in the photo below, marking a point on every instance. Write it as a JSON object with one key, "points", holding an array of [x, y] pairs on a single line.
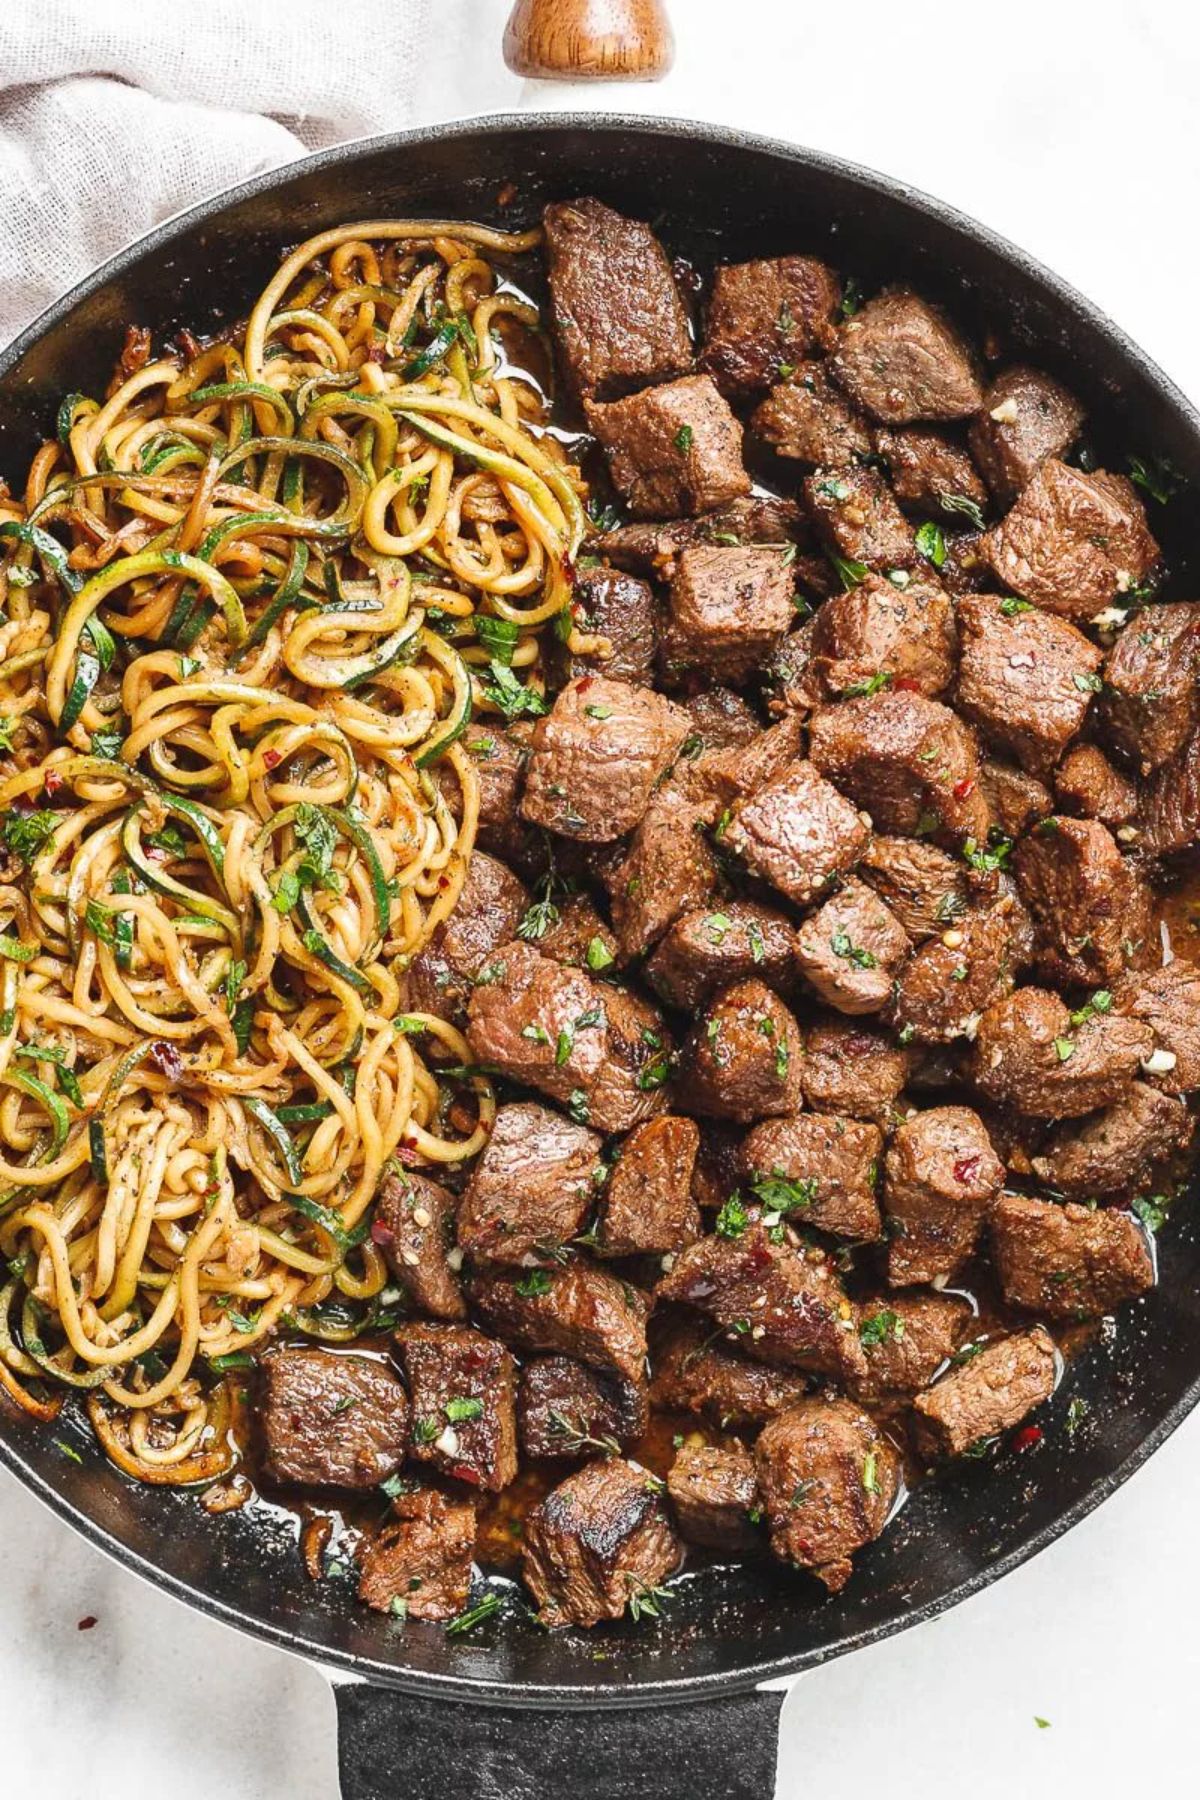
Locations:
{"points": [[512, 1710]]}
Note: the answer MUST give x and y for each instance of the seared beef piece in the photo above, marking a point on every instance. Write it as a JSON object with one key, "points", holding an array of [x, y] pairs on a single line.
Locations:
{"points": [[850, 949], [489, 909], [669, 869], [674, 449], [1026, 678], [619, 608], [930, 472], [1025, 417], [652, 549], [1114, 1151], [1085, 782], [817, 1170], [578, 1310], [744, 1057], [618, 319], [422, 1557], [850, 1069], [989, 1394], [907, 1338], [714, 1494], [1092, 912], [721, 719], [828, 1478], [966, 569], [532, 1188], [953, 978], [901, 359], [463, 1388], [579, 937], [877, 632], [648, 1205], [856, 515], [762, 314], [924, 888], [694, 1374], [790, 680], [1014, 799], [1073, 542], [777, 1303], [797, 832], [1067, 1262], [616, 1048], [1028, 1055], [414, 1227], [1168, 822], [940, 1176], [1151, 703], [728, 775], [330, 1420], [807, 420], [729, 608], [598, 756], [1167, 1000], [707, 949], [560, 1403], [499, 754], [718, 1164], [597, 1541], [908, 760]]}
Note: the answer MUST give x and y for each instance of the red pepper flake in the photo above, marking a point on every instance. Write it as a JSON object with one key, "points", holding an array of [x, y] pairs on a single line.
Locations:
{"points": [[86, 1624], [463, 1472], [53, 782], [584, 683], [167, 1059], [272, 759], [906, 684], [568, 569], [382, 1233], [1027, 1437], [757, 1257], [962, 788], [967, 1168], [443, 881]]}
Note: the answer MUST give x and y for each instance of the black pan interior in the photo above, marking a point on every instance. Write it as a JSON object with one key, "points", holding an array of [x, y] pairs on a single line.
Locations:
{"points": [[711, 194]]}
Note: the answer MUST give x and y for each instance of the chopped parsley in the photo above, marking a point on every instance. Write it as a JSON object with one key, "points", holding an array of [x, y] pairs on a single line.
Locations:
{"points": [[880, 1327], [25, 833], [853, 953], [1011, 608], [684, 438], [851, 574], [733, 1219], [931, 542], [498, 637], [783, 1193], [513, 699], [459, 1410], [599, 956], [536, 1283], [871, 684]]}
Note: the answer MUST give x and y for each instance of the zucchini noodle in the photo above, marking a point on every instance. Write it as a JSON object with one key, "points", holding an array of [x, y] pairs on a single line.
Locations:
{"points": [[251, 598]]}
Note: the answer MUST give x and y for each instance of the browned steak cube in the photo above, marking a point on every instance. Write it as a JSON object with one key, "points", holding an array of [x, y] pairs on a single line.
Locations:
{"points": [[924, 888], [908, 760], [578, 1310], [965, 568], [532, 1189], [877, 633], [330, 1420], [463, 1388], [652, 549], [598, 756], [901, 359], [850, 949], [987, 1395], [414, 1227], [797, 832], [817, 1170], [764, 314], [1026, 678], [736, 773], [1167, 1000], [743, 1058], [419, 1564], [1151, 703], [953, 978], [828, 1478], [930, 473], [1067, 1262], [851, 1069], [907, 1338], [566, 1409], [1025, 417], [1092, 911], [648, 1205], [672, 450], [694, 1374], [669, 869], [499, 755], [790, 679], [706, 949], [1031, 1056], [940, 1176], [616, 614], [721, 720], [775, 1302], [1073, 542], [729, 608], [714, 1494], [718, 1164], [1168, 822], [1014, 799], [599, 1542], [808, 420], [1085, 782], [618, 319], [1115, 1151], [578, 936], [489, 909], [856, 515]]}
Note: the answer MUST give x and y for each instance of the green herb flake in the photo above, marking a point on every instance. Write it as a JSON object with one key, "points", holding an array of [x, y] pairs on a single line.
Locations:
{"points": [[931, 542], [460, 1409], [599, 956], [475, 1615], [684, 438], [536, 1283], [733, 1219]]}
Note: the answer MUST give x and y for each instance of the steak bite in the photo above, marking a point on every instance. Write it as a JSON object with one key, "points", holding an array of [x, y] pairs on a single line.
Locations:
{"points": [[1086, 783], [419, 1564], [694, 1374], [488, 911], [618, 613], [907, 1338], [561, 1404], [790, 681], [828, 1478], [718, 1164], [1151, 703], [463, 1387], [1025, 417], [1015, 800], [499, 754], [721, 720], [599, 1542], [909, 760], [578, 937], [672, 450], [714, 1495], [987, 1395], [578, 1310], [532, 1188], [648, 1205], [852, 1070], [901, 359], [668, 869], [878, 632], [797, 832], [856, 515], [653, 549], [1067, 1262], [923, 888], [817, 1170], [330, 1420], [1030, 1055], [1168, 821], [1167, 1001], [951, 979], [763, 314], [597, 757], [1025, 678], [728, 610], [940, 1176], [1114, 1151], [706, 950], [1092, 912], [743, 1059], [414, 1227], [738, 772], [930, 473], [618, 319], [808, 420], [1073, 542], [850, 949]]}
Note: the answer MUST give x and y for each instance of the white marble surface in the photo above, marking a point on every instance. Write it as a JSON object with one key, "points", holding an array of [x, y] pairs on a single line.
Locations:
{"points": [[1070, 127]]}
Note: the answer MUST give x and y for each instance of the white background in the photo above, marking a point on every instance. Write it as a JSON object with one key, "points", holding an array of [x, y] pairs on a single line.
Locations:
{"points": [[1072, 129]]}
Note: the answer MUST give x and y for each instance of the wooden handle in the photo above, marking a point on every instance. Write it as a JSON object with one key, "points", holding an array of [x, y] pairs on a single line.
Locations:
{"points": [[589, 40]]}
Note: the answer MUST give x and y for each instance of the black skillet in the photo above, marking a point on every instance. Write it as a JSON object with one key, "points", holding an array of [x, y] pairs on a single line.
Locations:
{"points": [[679, 1706]]}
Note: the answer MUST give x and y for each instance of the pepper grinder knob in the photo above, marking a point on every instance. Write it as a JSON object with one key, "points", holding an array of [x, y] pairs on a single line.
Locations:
{"points": [[589, 40]]}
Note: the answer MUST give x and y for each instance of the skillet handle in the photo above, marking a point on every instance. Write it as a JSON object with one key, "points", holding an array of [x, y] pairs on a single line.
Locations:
{"points": [[394, 1746]]}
